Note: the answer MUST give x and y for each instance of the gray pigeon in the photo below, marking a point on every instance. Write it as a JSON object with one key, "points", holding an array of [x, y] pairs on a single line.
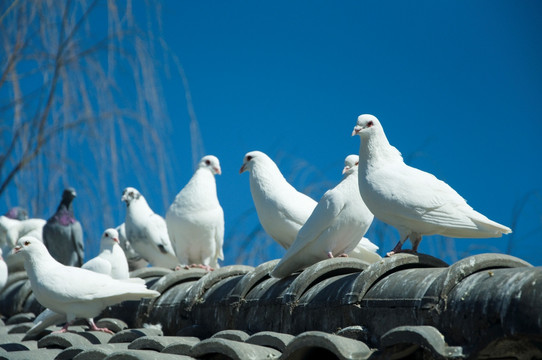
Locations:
{"points": [[63, 234], [17, 213]]}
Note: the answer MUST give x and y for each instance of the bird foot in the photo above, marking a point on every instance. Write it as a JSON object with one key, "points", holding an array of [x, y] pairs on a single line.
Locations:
{"points": [[63, 330], [105, 330], [343, 255], [199, 266]]}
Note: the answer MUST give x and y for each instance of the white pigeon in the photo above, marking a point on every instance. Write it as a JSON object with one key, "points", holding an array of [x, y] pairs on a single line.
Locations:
{"points": [[334, 228], [72, 291], [11, 230], [135, 261], [111, 259], [3, 272], [147, 231], [282, 210], [415, 202], [195, 219], [365, 250]]}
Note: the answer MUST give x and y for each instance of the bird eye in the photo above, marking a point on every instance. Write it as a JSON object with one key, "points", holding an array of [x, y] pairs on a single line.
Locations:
{"points": [[357, 163], [131, 193], [249, 158], [207, 162], [106, 235], [26, 243], [370, 123]]}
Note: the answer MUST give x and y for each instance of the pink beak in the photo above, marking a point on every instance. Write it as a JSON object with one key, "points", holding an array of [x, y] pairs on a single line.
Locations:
{"points": [[116, 240], [242, 169], [16, 249], [356, 130]]}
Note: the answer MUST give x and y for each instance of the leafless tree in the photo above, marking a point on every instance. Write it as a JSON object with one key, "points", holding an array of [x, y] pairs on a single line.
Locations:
{"points": [[72, 90]]}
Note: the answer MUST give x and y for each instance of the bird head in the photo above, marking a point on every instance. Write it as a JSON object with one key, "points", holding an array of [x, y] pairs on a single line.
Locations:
{"points": [[29, 245], [110, 236], [350, 163], [211, 162], [249, 160], [17, 213], [130, 194], [365, 125], [69, 194]]}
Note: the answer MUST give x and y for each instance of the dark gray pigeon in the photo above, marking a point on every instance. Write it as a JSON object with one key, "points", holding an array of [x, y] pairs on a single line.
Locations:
{"points": [[17, 213], [63, 234]]}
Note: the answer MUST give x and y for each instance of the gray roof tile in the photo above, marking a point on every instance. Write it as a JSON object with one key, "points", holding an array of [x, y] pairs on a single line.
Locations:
{"points": [[156, 343], [20, 328], [21, 318], [320, 271], [99, 351], [40, 354], [354, 332], [312, 344], [145, 355], [63, 340], [233, 350], [96, 337], [427, 337], [182, 346], [130, 335], [18, 345], [213, 277], [235, 335], [275, 340], [386, 266], [251, 279]]}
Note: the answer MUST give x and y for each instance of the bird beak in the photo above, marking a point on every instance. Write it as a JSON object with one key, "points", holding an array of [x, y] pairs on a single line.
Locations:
{"points": [[116, 240], [218, 171], [17, 248], [242, 169], [346, 168], [356, 130]]}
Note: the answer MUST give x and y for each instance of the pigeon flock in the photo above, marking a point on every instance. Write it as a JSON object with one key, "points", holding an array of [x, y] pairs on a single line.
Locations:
{"points": [[376, 183]]}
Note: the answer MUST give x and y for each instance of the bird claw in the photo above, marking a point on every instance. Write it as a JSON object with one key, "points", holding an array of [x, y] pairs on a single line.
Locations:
{"points": [[105, 330], [199, 266]]}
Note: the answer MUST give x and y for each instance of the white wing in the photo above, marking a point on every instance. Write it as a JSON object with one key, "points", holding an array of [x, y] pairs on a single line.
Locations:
{"points": [[98, 265]]}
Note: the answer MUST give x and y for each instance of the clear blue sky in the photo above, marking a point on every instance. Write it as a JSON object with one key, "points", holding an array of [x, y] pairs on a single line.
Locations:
{"points": [[457, 86]]}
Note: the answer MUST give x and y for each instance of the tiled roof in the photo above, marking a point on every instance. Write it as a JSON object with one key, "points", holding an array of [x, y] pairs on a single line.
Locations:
{"points": [[406, 306]]}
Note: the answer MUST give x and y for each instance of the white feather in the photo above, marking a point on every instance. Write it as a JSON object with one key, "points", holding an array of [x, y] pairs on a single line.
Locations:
{"points": [[147, 231], [195, 219], [413, 201]]}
